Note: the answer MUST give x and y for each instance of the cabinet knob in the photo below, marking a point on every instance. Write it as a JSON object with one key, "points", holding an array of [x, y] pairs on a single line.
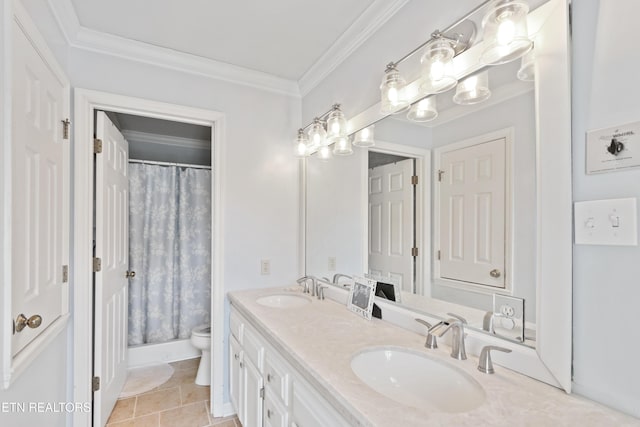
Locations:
{"points": [[268, 378], [22, 322], [236, 356], [268, 413], [130, 274], [241, 365], [495, 273]]}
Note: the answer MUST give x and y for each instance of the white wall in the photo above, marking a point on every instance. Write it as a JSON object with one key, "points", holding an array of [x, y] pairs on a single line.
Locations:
{"points": [[606, 289]]}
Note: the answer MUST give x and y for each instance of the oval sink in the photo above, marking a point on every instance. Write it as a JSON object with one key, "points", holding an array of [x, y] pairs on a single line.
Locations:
{"points": [[283, 301], [417, 380]]}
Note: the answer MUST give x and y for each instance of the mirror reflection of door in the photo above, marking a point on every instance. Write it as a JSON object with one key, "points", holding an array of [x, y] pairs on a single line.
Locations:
{"points": [[392, 218]]}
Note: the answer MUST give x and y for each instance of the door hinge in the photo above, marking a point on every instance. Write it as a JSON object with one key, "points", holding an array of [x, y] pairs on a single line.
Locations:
{"points": [[414, 251], [65, 128], [440, 173], [97, 146], [95, 383], [262, 393], [97, 264], [65, 273], [414, 180], [438, 255]]}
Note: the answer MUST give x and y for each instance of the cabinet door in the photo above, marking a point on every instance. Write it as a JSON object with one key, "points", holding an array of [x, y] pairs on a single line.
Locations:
{"points": [[251, 394], [275, 415], [309, 409], [235, 374]]}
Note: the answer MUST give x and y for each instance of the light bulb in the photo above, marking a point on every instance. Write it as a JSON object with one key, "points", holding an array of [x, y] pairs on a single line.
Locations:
{"points": [[364, 137], [473, 89], [506, 32], [437, 67], [324, 152], [342, 147], [392, 99], [506, 36], [424, 110], [301, 145]]}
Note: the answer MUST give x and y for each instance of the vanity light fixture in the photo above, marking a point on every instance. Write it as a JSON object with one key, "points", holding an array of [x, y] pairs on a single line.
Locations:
{"points": [[437, 66], [336, 125], [424, 110], [324, 153], [364, 137], [392, 91], [505, 32], [473, 89], [342, 146], [317, 135]]}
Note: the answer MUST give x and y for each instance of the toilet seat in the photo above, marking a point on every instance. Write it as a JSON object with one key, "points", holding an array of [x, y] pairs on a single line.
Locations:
{"points": [[202, 330]]}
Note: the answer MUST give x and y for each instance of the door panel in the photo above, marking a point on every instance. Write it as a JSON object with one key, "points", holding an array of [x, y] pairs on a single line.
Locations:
{"points": [[40, 194], [391, 222], [472, 213], [112, 244]]}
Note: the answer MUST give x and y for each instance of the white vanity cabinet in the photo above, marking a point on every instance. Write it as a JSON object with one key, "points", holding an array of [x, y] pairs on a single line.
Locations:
{"points": [[266, 390]]}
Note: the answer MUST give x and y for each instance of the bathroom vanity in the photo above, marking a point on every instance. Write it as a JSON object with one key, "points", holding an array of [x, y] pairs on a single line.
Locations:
{"points": [[291, 359]]}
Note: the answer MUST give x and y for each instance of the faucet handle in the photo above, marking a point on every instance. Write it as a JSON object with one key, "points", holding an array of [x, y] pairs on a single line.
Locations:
{"points": [[321, 289], [486, 365], [432, 341]]}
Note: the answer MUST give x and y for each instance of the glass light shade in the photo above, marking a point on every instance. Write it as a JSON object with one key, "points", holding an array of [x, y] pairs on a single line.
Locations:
{"points": [[336, 125], [392, 93], [301, 145], [505, 32], [342, 146], [527, 71], [423, 111], [437, 67], [364, 137], [473, 89], [317, 135], [324, 152]]}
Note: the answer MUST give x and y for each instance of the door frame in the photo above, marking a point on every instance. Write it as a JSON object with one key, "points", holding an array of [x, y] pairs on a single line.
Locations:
{"points": [[423, 210], [85, 102]]}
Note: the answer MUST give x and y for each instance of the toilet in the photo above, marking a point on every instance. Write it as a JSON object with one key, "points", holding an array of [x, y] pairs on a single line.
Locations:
{"points": [[201, 339]]}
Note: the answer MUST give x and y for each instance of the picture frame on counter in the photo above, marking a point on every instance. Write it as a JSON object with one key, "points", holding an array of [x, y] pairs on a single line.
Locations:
{"points": [[361, 296]]}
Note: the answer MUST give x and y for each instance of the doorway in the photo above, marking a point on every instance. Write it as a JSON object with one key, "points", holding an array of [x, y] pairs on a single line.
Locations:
{"points": [[86, 104]]}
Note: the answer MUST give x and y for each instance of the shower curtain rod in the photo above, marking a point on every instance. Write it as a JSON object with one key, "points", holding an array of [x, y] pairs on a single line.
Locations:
{"points": [[152, 162]]}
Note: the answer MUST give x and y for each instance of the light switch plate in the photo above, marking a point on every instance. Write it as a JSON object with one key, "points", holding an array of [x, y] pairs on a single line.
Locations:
{"points": [[606, 222]]}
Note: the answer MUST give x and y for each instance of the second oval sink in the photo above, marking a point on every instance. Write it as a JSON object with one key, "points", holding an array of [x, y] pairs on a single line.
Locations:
{"points": [[417, 380], [283, 301]]}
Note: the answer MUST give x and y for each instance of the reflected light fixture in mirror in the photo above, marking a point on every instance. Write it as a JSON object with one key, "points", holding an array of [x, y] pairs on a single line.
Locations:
{"points": [[424, 110], [301, 145], [342, 146], [324, 153], [437, 67], [505, 32], [473, 89], [364, 137], [527, 71], [392, 94], [336, 125], [317, 135]]}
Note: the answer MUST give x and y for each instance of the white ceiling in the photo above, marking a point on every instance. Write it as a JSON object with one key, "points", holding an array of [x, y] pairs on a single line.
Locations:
{"points": [[279, 37]]}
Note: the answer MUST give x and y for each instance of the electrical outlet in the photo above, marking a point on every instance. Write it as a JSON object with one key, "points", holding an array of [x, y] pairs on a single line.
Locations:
{"points": [[507, 310], [332, 263], [265, 267]]}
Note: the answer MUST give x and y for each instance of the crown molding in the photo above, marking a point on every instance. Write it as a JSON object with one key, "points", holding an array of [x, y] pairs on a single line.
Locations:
{"points": [[173, 141], [80, 37], [374, 17]]}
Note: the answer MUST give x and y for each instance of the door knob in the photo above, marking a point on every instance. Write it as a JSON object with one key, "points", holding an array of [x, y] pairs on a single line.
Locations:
{"points": [[22, 322], [494, 273], [130, 274]]}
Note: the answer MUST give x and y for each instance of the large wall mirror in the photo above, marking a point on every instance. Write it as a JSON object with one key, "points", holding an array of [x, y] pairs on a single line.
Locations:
{"points": [[484, 231]]}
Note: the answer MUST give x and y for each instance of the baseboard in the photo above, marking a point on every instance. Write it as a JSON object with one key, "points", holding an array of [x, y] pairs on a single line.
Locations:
{"points": [[153, 354], [626, 404], [228, 409]]}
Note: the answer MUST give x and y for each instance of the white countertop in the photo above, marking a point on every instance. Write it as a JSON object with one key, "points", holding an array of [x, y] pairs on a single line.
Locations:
{"points": [[320, 338]]}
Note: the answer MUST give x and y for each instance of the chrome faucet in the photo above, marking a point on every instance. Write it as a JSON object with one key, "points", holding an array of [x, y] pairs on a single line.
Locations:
{"points": [[486, 365], [456, 324], [305, 284], [432, 341], [337, 276]]}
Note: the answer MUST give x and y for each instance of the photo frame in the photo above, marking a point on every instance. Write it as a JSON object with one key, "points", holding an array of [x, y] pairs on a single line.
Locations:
{"points": [[387, 288], [361, 296]]}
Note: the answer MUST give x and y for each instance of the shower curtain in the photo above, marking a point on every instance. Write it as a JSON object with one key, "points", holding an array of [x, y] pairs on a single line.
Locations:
{"points": [[170, 251]]}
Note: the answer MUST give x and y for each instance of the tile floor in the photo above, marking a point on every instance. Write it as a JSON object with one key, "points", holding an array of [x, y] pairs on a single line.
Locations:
{"points": [[177, 403]]}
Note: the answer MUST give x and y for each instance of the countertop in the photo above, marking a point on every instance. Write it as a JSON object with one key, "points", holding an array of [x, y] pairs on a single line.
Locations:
{"points": [[320, 338]]}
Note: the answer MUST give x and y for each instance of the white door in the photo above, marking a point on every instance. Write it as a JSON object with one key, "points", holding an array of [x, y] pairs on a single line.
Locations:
{"points": [[391, 222], [472, 214], [112, 248], [40, 191]]}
